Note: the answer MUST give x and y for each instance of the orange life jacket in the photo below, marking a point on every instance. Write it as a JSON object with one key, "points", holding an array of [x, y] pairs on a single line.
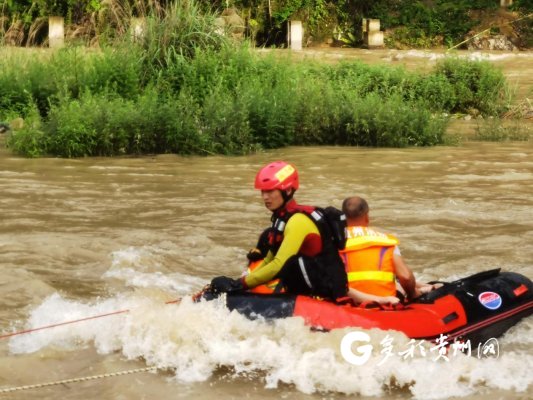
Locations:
{"points": [[368, 257]]}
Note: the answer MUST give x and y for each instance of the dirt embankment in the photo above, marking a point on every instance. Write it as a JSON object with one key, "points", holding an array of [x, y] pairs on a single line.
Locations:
{"points": [[500, 29]]}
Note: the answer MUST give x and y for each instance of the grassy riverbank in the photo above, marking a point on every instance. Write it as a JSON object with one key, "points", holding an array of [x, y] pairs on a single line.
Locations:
{"points": [[211, 97], [232, 101]]}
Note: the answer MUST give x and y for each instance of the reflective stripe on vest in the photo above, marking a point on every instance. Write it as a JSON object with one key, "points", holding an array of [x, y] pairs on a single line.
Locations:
{"points": [[360, 237], [371, 276]]}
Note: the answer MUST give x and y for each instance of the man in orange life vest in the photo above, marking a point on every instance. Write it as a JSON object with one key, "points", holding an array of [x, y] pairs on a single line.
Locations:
{"points": [[373, 260], [301, 251]]}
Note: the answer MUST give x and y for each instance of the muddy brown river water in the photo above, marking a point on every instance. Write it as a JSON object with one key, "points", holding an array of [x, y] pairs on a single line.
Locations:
{"points": [[85, 237]]}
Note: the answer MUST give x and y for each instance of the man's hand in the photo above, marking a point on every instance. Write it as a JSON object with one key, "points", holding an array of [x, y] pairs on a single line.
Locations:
{"points": [[223, 284]]}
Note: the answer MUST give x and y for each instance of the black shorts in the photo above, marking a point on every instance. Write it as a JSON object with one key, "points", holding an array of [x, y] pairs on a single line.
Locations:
{"points": [[322, 276]]}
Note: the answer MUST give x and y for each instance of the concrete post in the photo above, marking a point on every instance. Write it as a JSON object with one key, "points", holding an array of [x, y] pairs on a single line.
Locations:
{"points": [[375, 40], [295, 35], [373, 25], [372, 36], [56, 32], [138, 28]]}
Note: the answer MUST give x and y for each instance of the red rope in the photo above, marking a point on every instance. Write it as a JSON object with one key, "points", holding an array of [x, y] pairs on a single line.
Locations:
{"points": [[61, 323], [74, 321]]}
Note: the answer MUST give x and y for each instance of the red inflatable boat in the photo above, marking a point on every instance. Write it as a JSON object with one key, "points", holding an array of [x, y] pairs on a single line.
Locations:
{"points": [[475, 308]]}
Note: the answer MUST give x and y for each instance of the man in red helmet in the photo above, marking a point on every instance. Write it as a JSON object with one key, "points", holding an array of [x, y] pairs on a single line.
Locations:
{"points": [[303, 252]]}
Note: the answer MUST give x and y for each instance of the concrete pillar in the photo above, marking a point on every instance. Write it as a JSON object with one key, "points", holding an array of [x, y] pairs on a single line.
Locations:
{"points": [[295, 35], [138, 27], [56, 32], [372, 36], [373, 25], [374, 40]]}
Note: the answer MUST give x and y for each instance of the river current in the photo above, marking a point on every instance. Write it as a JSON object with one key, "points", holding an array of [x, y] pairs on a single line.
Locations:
{"points": [[86, 237]]}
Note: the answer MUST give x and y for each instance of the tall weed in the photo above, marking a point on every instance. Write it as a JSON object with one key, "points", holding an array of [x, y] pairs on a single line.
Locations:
{"points": [[177, 31], [392, 123], [225, 121], [494, 130], [30, 141], [220, 99], [476, 85]]}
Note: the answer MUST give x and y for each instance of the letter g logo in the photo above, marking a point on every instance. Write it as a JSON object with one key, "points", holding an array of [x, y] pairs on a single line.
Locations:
{"points": [[346, 348]]}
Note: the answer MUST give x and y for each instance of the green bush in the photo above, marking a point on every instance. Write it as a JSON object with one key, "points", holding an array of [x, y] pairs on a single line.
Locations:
{"points": [[177, 120], [234, 102], [29, 141], [436, 91], [109, 125], [70, 71], [365, 79], [272, 97], [318, 113], [455, 86], [425, 24], [392, 123], [477, 85], [206, 96], [225, 122], [116, 69], [74, 126]]}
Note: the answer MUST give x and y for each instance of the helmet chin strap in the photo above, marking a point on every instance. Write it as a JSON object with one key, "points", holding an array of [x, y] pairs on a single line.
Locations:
{"points": [[286, 198]]}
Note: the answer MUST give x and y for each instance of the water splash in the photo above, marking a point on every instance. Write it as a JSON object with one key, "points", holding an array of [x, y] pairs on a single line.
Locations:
{"points": [[194, 340]]}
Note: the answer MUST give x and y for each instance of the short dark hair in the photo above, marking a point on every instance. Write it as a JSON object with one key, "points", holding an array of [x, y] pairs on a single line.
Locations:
{"points": [[354, 207]]}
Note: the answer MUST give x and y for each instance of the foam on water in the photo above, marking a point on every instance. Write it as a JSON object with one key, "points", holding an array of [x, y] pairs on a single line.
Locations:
{"points": [[504, 177], [142, 267], [194, 340], [472, 55], [195, 252]]}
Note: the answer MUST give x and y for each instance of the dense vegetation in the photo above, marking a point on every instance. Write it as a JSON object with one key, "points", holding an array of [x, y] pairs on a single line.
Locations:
{"points": [[183, 88], [418, 23]]}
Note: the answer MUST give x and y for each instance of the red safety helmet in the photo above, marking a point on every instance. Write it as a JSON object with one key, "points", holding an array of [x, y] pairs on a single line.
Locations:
{"points": [[277, 175]]}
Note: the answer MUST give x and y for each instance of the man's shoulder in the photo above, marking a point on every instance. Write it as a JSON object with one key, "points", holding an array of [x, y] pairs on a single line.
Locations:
{"points": [[302, 221], [300, 216], [294, 207]]}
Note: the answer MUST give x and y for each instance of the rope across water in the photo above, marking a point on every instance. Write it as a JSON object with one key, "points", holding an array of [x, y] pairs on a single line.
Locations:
{"points": [[74, 380], [76, 320], [80, 379], [85, 378]]}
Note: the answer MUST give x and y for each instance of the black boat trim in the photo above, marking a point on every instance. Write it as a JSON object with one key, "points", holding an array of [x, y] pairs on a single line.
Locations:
{"points": [[474, 327]]}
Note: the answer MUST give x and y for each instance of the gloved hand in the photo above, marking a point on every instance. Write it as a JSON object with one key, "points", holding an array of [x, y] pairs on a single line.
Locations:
{"points": [[223, 284], [254, 255]]}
